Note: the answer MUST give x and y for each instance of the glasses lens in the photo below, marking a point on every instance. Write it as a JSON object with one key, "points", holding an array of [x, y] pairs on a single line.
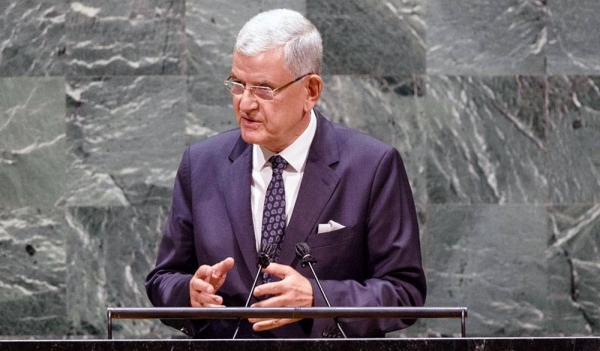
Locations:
{"points": [[263, 93], [235, 88]]}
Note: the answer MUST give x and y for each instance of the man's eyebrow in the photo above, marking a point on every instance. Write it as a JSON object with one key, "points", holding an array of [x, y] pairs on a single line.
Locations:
{"points": [[262, 83]]}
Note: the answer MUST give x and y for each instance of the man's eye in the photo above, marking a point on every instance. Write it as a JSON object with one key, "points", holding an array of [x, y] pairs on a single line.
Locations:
{"points": [[262, 88]]}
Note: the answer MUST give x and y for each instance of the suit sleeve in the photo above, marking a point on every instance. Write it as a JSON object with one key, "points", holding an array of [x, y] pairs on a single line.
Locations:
{"points": [[395, 273], [167, 285]]}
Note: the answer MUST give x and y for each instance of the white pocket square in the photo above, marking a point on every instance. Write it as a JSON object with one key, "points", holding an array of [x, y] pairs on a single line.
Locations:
{"points": [[329, 227]]}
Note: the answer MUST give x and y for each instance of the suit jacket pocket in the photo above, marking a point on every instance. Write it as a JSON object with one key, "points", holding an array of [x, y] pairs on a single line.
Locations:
{"points": [[330, 238]]}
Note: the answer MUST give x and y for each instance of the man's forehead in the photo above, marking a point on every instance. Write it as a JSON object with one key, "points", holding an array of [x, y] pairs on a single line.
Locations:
{"points": [[267, 67]]}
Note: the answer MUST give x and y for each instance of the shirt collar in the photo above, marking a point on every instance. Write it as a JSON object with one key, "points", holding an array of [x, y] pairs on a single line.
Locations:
{"points": [[295, 154]]}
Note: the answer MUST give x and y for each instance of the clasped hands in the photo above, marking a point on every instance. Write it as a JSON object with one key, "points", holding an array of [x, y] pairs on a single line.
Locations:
{"points": [[293, 290]]}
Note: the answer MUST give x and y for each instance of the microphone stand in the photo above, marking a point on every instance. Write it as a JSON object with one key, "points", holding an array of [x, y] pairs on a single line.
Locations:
{"points": [[264, 259], [303, 251]]}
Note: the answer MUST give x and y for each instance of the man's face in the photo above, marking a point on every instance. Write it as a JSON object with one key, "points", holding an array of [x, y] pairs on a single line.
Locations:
{"points": [[273, 124]]}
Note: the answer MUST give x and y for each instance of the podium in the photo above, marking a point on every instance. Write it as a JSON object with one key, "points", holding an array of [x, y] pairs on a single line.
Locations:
{"points": [[351, 344], [425, 344], [286, 312]]}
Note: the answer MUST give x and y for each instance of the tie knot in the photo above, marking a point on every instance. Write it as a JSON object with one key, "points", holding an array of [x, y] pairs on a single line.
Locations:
{"points": [[278, 163]]}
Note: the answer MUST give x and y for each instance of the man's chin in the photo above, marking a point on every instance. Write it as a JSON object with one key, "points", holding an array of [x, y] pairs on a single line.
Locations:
{"points": [[251, 137]]}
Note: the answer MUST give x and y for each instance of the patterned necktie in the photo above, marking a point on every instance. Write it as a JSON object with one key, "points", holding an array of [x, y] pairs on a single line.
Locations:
{"points": [[273, 223]]}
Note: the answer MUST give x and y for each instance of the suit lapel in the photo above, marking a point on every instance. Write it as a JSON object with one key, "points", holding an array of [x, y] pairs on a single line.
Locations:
{"points": [[236, 189], [318, 183]]}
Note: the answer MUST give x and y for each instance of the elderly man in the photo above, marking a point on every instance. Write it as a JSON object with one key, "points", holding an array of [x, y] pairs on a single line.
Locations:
{"points": [[287, 175]]}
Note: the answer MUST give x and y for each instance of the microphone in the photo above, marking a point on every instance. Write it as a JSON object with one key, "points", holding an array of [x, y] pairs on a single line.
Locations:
{"points": [[265, 254], [303, 252]]}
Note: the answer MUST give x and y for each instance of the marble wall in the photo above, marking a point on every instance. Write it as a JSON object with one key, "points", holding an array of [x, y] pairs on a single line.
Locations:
{"points": [[494, 105]]}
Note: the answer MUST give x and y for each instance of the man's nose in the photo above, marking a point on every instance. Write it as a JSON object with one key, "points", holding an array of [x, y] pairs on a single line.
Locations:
{"points": [[248, 100]]}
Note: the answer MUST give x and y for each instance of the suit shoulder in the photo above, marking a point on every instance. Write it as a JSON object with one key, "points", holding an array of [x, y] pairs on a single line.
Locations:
{"points": [[216, 145], [353, 140]]}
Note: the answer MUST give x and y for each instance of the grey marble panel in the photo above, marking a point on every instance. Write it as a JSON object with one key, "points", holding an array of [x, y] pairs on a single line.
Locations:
{"points": [[487, 141], [32, 37], [110, 251], [125, 37], [574, 139], [211, 27], [32, 141], [371, 37], [32, 273], [574, 270], [486, 37], [491, 259], [210, 108], [574, 43], [126, 137], [384, 108]]}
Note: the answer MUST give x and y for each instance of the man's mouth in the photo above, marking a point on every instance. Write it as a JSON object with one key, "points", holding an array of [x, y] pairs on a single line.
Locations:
{"points": [[249, 120]]}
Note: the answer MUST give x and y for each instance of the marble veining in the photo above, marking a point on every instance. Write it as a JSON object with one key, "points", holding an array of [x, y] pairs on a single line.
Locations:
{"points": [[488, 37], [210, 109], [110, 251], [573, 42], [32, 37], [574, 139], [487, 140], [126, 135], [491, 259], [373, 37], [32, 272], [125, 37], [32, 142], [211, 27], [573, 257]]}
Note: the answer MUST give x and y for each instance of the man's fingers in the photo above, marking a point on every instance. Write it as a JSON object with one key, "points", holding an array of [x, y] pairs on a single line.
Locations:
{"points": [[279, 270], [203, 272], [200, 286], [293, 290], [219, 272], [268, 289], [271, 324], [273, 301], [223, 267], [206, 300], [206, 281]]}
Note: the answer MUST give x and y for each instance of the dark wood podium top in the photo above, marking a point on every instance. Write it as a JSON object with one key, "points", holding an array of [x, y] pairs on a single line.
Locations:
{"points": [[454, 344]]}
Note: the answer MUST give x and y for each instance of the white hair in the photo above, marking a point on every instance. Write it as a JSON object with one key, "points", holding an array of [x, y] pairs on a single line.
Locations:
{"points": [[300, 39]]}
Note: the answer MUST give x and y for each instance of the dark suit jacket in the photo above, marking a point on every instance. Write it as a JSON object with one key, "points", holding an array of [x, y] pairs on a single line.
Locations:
{"points": [[349, 178]]}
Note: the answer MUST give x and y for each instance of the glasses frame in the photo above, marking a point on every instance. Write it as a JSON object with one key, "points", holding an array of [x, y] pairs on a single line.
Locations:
{"points": [[229, 84]]}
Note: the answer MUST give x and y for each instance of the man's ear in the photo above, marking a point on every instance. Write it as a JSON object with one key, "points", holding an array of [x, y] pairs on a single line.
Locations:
{"points": [[314, 87]]}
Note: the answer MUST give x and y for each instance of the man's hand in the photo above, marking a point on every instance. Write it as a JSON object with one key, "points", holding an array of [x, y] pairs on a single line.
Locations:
{"points": [[206, 282], [294, 290]]}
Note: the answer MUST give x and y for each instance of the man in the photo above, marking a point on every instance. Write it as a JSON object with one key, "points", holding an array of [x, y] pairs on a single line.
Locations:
{"points": [[286, 176]]}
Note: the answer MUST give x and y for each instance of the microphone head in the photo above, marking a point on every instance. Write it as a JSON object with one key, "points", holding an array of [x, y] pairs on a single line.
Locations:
{"points": [[303, 252], [264, 256], [302, 249]]}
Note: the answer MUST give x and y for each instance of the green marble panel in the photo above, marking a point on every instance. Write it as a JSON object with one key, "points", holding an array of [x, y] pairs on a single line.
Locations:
{"points": [[126, 137], [32, 141], [110, 251], [574, 269], [381, 38], [486, 139], [491, 259], [32, 273], [574, 139]]}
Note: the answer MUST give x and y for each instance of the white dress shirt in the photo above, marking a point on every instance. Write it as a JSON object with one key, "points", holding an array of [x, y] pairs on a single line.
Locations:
{"points": [[296, 155]]}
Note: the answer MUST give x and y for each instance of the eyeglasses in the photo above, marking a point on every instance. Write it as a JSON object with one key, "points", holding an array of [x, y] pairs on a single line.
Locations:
{"points": [[263, 93]]}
